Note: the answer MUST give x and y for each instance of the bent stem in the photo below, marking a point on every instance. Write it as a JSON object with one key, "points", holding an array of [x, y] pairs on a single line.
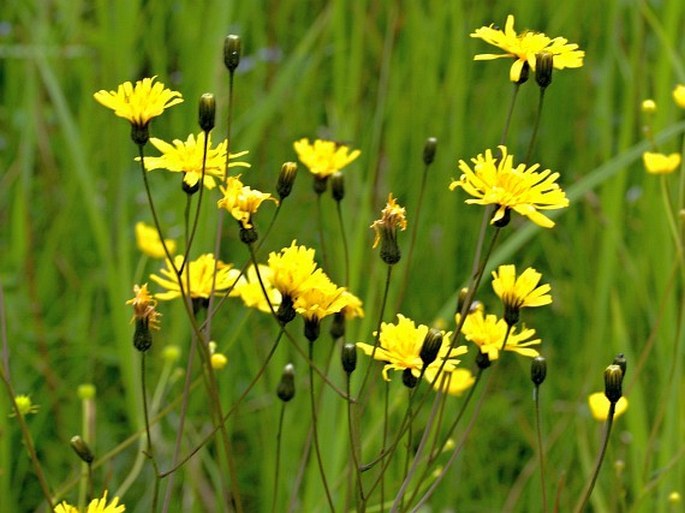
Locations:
{"points": [[600, 458]]}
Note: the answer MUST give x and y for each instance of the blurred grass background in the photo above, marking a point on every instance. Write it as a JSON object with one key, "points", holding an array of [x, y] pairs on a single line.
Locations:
{"points": [[382, 76]]}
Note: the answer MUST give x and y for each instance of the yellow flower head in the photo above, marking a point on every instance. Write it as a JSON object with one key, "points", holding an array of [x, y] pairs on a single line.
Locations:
{"points": [[186, 157], [139, 103], [648, 106], [353, 306], [660, 164], [25, 405], [218, 361], [524, 48], [599, 406], [518, 292], [149, 243], [250, 291], [241, 201], [144, 307], [319, 297], [200, 272], [399, 345], [488, 332], [453, 383], [291, 268], [392, 217], [323, 158], [498, 182], [95, 506], [679, 95]]}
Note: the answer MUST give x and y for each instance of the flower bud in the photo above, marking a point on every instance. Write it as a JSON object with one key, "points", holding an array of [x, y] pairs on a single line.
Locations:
{"points": [[544, 65], [621, 361], [613, 379], [429, 149], [312, 328], [286, 179], [348, 357], [648, 106], [232, 49], [81, 449], [408, 379], [483, 360], [286, 387], [431, 346], [142, 337], [218, 361], [338, 325], [171, 354], [338, 186], [538, 370], [207, 112], [86, 391]]}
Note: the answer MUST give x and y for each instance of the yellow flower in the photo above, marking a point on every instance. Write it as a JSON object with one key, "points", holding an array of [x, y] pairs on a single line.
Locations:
{"points": [[392, 217], [95, 506], [291, 268], [353, 306], [498, 182], [524, 48], [679, 95], [488, 332], [139, 103], [186, 157], [144, 307], [319, 297], [250, 291], [518, 292], [218, 361], [149, 243], [241, 201], [648, 106], [201, 275], [660, 164], [323, 158], [24, 405], [599, 406], [399, 345], [456, 381]]}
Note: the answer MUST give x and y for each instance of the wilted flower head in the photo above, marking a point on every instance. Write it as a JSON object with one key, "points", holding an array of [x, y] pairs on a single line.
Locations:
{"points": [[186, 157], [144, 307], [393, 217], [200, 272], [525, 46], [140, 103], [95, 506], [323, 158], [399, 345], [149, 243], [488, 333], [498, 182], [659, 163], [241, 201]]}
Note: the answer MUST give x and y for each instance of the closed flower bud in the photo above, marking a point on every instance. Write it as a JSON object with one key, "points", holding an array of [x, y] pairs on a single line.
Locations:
{"points": [[286, 387], [461, 298], [409, 379], [613, 379], [142, 337], [349, 358], [207, 112], [218, 361], [86, 391], [431, 346], [338, 186], [621, 361], [81, 449], [232, 52], [538, 370], [286, 179], [338, 325], [429, 149], [544, 64], [483, 360]]}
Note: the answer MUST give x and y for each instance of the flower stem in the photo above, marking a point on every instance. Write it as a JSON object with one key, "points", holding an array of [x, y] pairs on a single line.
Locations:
{"points": [[507, 121], [346, 250], [600, 458], [541, 454], [536, 126], [355, 449], [319, 210], [278, 456]]}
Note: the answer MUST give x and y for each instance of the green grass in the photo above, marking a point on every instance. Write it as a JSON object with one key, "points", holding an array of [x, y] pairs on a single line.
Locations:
{"points": [[382, 76]]}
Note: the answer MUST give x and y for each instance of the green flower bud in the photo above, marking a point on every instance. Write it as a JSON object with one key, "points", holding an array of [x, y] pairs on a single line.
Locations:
{"points": [[613, 380], [232, 48], [408, 379], [207, 112], [544, 65], [286, 387], [338, 325], [348, 357], [338, 186], [286, 179], [81, 449], [538, 370], [142, 337], [429, 149], [431, 346], [621, 361]]}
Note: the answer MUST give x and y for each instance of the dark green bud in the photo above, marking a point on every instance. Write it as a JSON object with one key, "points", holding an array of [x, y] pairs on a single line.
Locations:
{"points": [[409, 379], [320, 184], [429, 149], [142, 337], [613, 381], [81, 449], [286, 387], [232, 48], [338, 186], [207, 112], [538, 370], [621, 361], [431, 346], [286, 179], [338, 325], [349, 358], [544, 64], [312, 328]]}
